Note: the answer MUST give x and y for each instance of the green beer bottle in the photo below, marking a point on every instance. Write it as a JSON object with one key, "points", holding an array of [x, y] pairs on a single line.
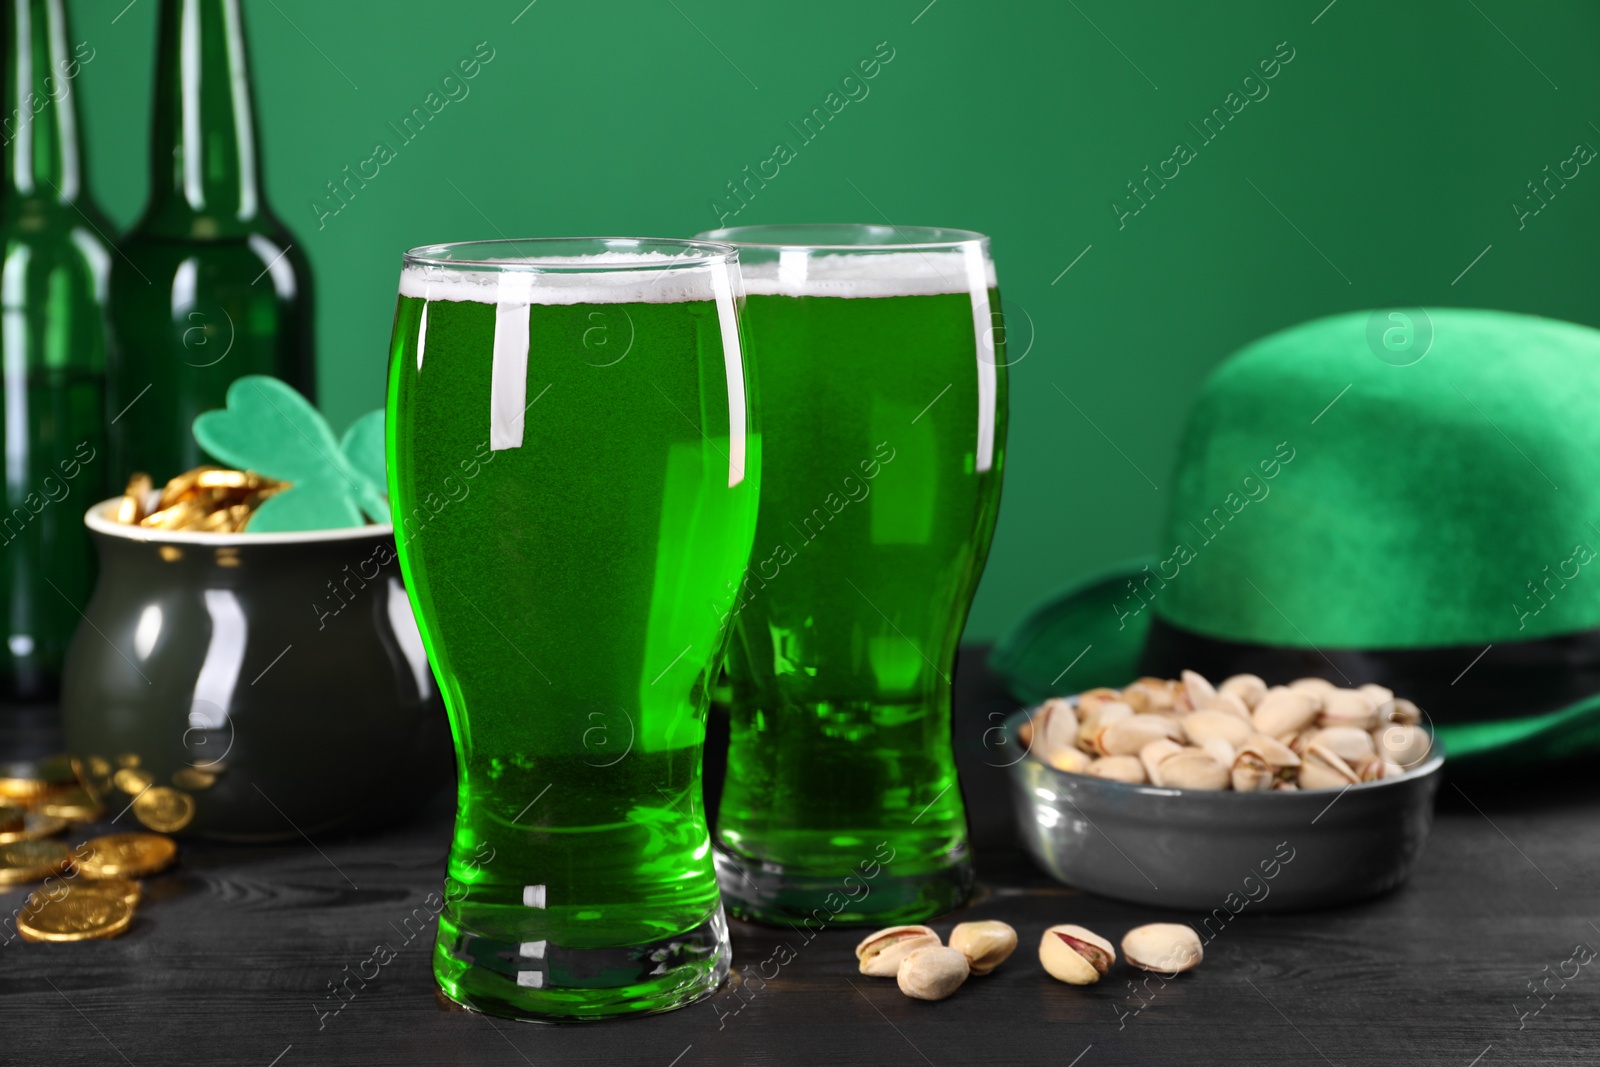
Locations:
{"points": [[52, 349], [210, 285]]}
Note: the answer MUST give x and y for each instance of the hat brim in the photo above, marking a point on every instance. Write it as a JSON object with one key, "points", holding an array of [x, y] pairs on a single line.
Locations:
{"points": [[1074, 640]]}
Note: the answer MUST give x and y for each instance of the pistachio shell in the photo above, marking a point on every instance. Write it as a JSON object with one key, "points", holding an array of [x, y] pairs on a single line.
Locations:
{"points": [[1202, 726], [1074, 955], [1197, 691], [1090, 723], [1247, 687], [1378, 694], [1229, 703], [1165, 947], [1152, 754], [1126, 736], [1193, 768], [1252, 774], [1404, 745], [1057, 724], [1094, 698], [1405, 712], [1321, 768], [1284, 711], [1071, 760], [986, 944], [1272, 750], [1118, 769], [1348, 707], [1148, 695], [881, 953], [1350, 743], [1219, 750], [932, 973]]}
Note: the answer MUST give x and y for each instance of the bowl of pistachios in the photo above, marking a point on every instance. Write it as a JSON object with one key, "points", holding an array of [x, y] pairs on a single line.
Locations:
{"points": [[1185, 794]]}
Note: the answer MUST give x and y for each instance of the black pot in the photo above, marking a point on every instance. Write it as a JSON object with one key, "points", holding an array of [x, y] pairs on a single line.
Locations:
{"points": [[252, 686]]}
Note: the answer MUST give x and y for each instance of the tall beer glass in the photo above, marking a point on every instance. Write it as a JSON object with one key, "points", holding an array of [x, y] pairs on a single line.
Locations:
{"points": [[573, 473], [883, 389]]}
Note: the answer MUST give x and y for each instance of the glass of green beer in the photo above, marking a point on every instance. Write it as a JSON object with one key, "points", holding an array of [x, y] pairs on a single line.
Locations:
{"points": [[881, 359], [573, 472]]}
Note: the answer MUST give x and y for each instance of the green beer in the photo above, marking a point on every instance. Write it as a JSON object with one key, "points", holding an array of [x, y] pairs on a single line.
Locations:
{"points": [[883, 393], [573, 477]]}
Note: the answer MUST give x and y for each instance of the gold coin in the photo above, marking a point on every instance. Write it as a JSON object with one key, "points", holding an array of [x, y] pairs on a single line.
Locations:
{"points": [[31, 861], [34, 828], [193, 778], [125, 855], [181, 487], [98, 766], [120, 888], [26, 779], [163, 809], [76, 917], [74, 805], [128, 759], [11, 819], [132, 781]]}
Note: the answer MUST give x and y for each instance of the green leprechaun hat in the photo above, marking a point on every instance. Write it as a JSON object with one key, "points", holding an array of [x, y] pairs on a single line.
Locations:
{"points": [[1403, 497]]}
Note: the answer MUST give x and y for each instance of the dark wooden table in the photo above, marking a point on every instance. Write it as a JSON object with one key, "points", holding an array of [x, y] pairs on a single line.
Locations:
{"points": [[235, 952]]}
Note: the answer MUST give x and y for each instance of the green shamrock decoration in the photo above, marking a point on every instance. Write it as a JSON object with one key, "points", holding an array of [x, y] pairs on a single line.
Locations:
{"points": [[271, 429]]}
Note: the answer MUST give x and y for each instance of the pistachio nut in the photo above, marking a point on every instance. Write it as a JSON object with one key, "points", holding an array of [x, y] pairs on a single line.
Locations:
{"points": [[1193, 768], [1102, 714], [1262, 762], [986, 944], [881, 953], [1321, 768], [1378, 694], [1152, 754], [1247, 687], [1405, 712], [1149, 695], [1071, 760], [1118, 769], [1196, 690], [1350, 743], [1229, 703], [932, 973], [1165, 947], [1404, 745], [1126, 736], [1348, 707], [1057, 724], [1284, 711], [1090, 700], [1221, 751], [1312, 685], [1272, 750], [1202, 726], [1074, 955], [1251, 773]]}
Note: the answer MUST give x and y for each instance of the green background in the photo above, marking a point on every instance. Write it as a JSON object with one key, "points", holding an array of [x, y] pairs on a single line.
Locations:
{"points": [[1385, 158]]}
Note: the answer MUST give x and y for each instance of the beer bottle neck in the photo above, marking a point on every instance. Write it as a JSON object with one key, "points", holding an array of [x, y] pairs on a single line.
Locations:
{"points": [[40, 123], [204, 173]]}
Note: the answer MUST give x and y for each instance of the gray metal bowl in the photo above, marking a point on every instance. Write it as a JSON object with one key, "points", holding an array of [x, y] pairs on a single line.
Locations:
{"points": [[1200, 850]]}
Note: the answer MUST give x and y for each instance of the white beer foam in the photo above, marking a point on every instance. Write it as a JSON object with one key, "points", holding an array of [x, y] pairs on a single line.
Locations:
{"points": [[882, 274], [610, 287]]}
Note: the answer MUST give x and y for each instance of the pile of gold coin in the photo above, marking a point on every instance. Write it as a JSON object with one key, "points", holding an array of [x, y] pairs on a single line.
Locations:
{"points": [[209, 499], [88, 892]]}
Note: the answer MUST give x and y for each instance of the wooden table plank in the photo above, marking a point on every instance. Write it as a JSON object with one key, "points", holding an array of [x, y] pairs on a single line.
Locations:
{"points": [[234, 954]]}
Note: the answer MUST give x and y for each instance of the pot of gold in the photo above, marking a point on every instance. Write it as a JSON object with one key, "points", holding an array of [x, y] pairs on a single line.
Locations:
{"points": [[243, 683]]}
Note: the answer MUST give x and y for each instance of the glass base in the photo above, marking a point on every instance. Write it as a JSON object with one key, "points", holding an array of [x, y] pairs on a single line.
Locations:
{"points": [[779, 895], [537, 980]]}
